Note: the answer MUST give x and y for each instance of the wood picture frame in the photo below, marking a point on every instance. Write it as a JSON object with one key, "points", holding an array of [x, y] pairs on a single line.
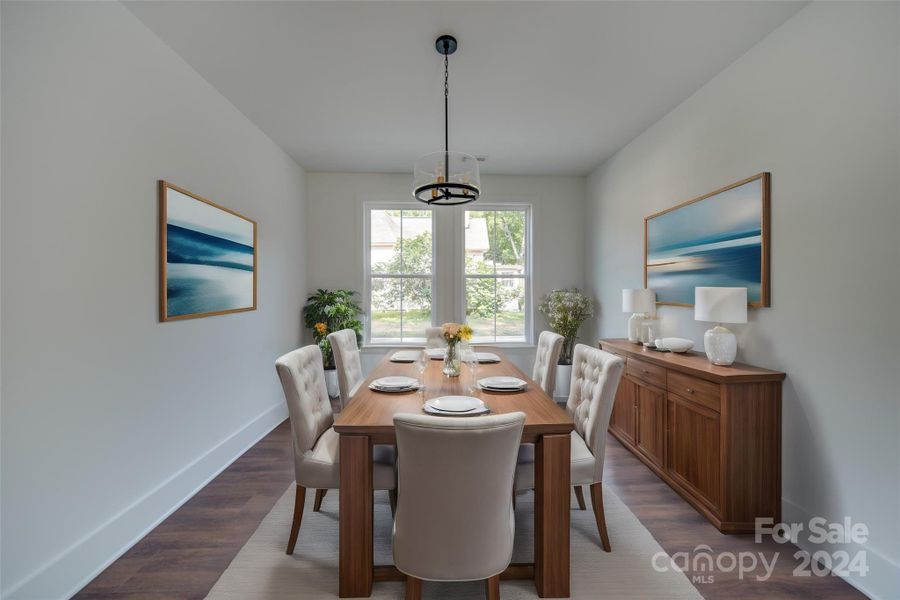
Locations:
{"points": [[759, 294], [206, 269]]}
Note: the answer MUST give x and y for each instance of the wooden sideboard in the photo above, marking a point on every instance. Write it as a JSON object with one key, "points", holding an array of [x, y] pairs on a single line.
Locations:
{"points": [[712, 433]]}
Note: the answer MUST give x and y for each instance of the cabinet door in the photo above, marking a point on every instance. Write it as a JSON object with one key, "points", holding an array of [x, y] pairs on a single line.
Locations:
{"points": [[651, 424], [623, 419], [693, 458]]}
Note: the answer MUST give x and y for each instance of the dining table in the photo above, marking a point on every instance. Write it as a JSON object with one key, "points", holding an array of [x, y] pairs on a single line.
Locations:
{"points": [[368, 419]]}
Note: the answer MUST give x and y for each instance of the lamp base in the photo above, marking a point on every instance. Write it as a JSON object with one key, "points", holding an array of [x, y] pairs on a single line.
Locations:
{"points": [[635, 322], [720, 345]]}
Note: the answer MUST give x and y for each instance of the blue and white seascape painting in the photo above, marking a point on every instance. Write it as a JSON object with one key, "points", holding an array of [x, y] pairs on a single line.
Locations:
{"points": [[714, 242], [209, 258]]}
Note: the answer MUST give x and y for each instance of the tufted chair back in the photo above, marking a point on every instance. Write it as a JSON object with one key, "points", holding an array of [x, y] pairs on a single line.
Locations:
{"points": [[455, 518], [346, 359], [595, 377], [434, 337], [303, 379], [545, 360]]}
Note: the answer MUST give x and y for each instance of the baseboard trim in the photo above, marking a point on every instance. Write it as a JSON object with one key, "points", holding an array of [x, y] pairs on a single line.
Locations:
{"points": [[881, 580], [64, 575]]}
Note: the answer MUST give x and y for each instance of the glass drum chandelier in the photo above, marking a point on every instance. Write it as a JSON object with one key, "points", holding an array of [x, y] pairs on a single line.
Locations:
{"points": [[446, 178]]}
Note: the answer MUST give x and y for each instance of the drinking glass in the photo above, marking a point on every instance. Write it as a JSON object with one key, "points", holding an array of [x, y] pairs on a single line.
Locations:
{"points": [[421, 366], [471, 359]]}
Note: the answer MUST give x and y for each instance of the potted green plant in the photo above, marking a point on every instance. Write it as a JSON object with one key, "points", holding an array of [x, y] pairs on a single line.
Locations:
{"points": [[566, 311], [327, 311]]}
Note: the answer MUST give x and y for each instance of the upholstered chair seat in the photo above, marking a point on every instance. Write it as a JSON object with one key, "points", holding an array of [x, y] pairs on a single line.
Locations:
{"points": [[321, 467], [454, 519], [316, 443], [595, 378], [584, 464], [546, 359]]}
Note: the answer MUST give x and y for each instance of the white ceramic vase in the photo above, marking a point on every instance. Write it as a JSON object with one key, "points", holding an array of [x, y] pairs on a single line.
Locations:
{"points": [[563, 381], [331, 383]]}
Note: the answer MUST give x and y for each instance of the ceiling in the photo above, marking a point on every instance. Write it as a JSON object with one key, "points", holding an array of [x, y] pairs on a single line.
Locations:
{"points": [[538, 87]]}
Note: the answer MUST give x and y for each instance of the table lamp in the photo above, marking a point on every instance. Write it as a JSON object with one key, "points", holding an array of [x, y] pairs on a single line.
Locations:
{"points": [[641, 303], [720, 305]]}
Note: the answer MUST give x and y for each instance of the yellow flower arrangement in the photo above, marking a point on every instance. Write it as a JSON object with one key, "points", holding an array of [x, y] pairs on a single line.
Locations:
{"points": [[456, 332], [321, 328]]}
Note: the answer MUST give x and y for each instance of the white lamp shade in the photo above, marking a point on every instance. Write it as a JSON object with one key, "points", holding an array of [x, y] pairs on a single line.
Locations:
{"points": [[720, 304], [638, 301]]}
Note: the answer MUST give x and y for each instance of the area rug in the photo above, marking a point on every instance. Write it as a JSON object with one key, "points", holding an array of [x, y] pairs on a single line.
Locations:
{"points": [[262, 571]]}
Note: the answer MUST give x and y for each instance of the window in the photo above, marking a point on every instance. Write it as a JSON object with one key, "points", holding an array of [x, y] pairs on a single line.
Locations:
{"points": [[424, 267], [497, 273], [400, 275]]}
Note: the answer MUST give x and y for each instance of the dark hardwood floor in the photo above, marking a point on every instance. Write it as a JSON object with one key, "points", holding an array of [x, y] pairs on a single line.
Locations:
{"points": [[679, 528], [183, 557]]}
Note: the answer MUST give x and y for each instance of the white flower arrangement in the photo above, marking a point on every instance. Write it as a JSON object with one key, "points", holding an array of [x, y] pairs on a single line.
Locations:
{"points": [[566, 310]]}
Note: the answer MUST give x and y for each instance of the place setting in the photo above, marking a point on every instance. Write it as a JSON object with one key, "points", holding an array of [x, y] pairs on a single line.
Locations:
{"points": [[455, 406], [395, 384], [486, 358], [405, 356], [502, 383], [435, 353]]}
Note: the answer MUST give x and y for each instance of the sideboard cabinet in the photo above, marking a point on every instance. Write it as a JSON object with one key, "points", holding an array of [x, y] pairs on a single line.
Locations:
{"points": [[712, 433]]}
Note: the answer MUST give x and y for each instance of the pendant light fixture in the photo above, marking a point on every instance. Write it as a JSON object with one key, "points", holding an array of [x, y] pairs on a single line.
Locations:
{"points": [[446, 178]]}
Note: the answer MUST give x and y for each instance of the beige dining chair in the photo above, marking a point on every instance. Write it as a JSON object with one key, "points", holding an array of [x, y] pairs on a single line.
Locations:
{"points": [[434, 337], [454, 519], [316, 443], [595, 377], [346, 362], [546, 358]]}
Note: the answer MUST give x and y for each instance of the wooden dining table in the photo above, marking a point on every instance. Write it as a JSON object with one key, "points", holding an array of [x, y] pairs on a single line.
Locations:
{"points": [[368, 419]]}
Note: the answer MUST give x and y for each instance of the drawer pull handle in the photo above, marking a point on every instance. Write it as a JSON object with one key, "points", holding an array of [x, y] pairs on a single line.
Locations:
{"points": [[690, 391]]}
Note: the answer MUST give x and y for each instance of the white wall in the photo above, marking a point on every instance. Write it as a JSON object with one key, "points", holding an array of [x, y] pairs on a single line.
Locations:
{"points": [[816, 103], [110, 419], [335, 232]]}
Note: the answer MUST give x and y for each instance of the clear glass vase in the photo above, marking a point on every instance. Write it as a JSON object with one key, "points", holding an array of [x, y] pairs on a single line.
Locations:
{"points": [[451, 361]]}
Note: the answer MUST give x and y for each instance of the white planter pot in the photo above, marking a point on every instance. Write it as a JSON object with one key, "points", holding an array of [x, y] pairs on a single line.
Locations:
{"points": [[331, 383], [563, 381]]}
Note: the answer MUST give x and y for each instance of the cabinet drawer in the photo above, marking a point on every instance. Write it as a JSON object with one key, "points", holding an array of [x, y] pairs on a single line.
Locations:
{"points": [[644, 371], [693, 388]]}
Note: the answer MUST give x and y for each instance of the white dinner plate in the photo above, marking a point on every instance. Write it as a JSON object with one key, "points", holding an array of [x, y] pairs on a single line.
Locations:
{"points": [[455, 404], [435, 353], [502, 382], [443, 413], [405, 356], [395, 383], [487, 357]]}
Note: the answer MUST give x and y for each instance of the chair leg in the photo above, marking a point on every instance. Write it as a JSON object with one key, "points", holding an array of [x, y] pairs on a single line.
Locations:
{"points": [[392, 496], [493, 588], [299, 501], [320, 495], [597, 501], [579, 495], [413, 588]]}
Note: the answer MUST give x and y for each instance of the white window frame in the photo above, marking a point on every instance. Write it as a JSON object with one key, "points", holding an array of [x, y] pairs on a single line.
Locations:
{"points": [[368, 207], [461, 268]]}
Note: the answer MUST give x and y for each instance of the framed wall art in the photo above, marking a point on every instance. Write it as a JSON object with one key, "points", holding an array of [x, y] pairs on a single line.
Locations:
{"points": [[207, 257], [720, 239]]}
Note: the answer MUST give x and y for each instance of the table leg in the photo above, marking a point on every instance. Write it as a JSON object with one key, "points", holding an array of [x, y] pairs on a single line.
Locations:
{"points": [[356, 517], [552, 476]]}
